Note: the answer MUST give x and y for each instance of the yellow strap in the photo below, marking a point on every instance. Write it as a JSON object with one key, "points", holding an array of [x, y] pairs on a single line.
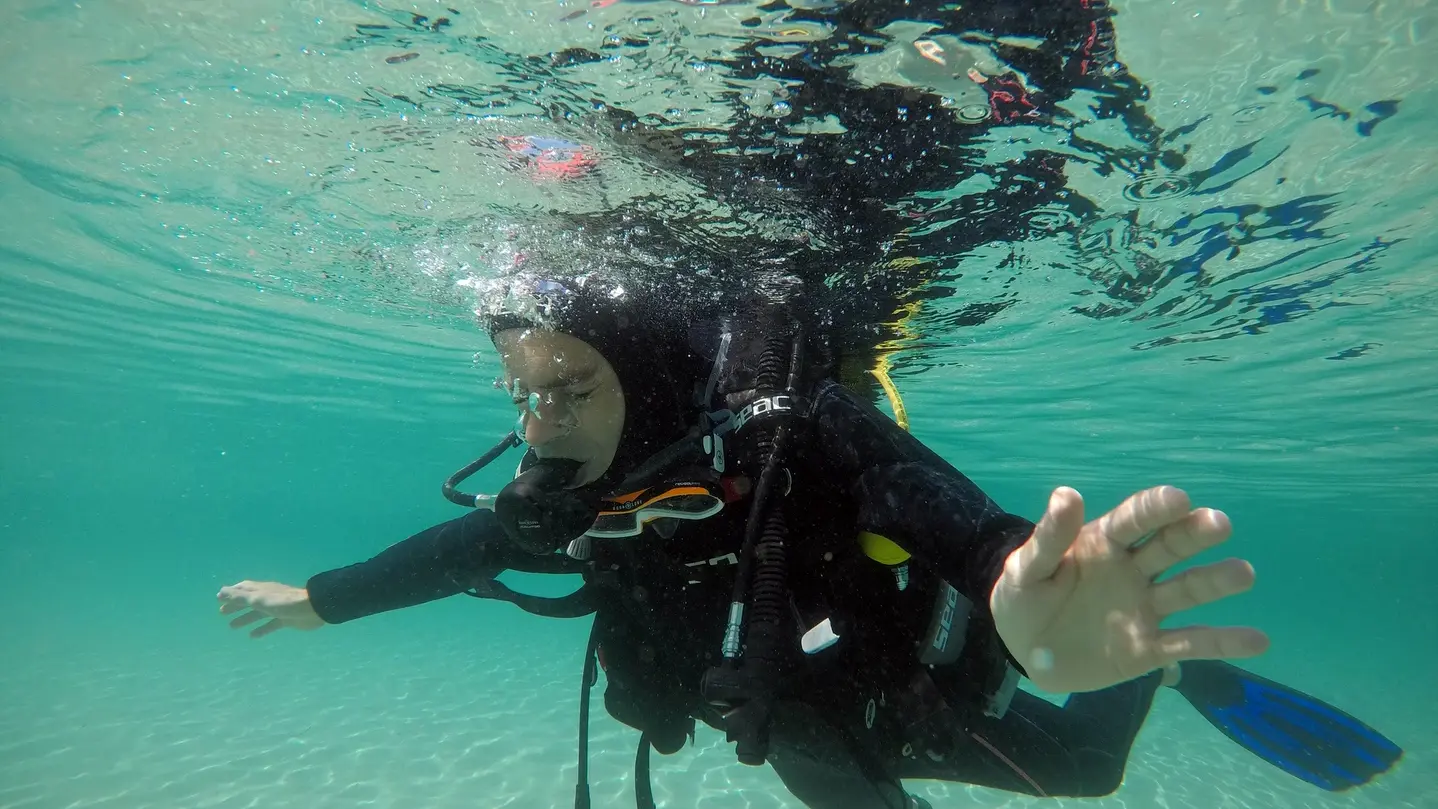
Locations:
{"points": [[882, 365], [881, 372], [880, 548]]}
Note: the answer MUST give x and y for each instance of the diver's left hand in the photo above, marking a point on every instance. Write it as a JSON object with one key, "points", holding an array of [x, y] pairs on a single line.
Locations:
{"points": [[1079, 605]]}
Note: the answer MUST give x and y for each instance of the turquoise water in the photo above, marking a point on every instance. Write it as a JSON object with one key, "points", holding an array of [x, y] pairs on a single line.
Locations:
{"points": [[233, 347]]}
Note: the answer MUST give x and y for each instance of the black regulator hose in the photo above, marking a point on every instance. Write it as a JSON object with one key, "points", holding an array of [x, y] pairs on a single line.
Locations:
{"points": [[459, 498]]}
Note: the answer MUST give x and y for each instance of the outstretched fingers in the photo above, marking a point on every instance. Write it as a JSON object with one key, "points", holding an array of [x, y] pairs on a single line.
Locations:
{"points": [[1202, 585], [1143, 514], [1210, 643], [238, 590], [248, 618], [1198, 531], [1039, 558], [274, 625]]}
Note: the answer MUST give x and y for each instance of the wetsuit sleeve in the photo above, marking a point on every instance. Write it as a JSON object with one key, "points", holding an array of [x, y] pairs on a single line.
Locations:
{"points": [[435, 563], [906, 492]]}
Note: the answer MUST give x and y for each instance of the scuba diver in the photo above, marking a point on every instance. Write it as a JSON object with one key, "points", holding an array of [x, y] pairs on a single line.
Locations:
{"points": [[766, 552], [761, 548]]}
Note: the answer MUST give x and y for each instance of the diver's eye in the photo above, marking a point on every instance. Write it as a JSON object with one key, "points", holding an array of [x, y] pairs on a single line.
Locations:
{"points": [[584, 396]]}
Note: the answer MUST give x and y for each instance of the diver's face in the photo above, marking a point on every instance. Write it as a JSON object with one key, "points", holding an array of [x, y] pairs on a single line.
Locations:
{"points": [[568, 396]]}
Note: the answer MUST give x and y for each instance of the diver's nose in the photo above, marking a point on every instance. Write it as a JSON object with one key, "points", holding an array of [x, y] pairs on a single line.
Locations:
{"points": [[538, 432], [544, 424]]}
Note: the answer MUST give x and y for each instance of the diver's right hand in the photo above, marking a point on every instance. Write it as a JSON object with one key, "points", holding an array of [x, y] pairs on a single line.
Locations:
{"points": [[283, 606]]}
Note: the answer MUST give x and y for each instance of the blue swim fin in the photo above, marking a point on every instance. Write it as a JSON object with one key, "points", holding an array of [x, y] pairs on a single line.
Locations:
{"points": [[1290, 730]]}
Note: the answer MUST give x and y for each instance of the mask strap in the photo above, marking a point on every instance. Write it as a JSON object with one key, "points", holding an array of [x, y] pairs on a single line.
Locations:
{"points": [[719, 360]]}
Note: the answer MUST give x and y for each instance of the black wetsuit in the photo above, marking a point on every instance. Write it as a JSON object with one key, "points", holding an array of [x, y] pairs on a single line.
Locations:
{"points": [[853, 718]]}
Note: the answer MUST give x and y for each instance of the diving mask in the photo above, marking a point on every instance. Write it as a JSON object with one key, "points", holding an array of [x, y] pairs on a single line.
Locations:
{"points": [[556, 408]]}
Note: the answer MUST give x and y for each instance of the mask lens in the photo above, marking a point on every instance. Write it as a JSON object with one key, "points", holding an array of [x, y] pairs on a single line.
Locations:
{"points": [[553, 408]]}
